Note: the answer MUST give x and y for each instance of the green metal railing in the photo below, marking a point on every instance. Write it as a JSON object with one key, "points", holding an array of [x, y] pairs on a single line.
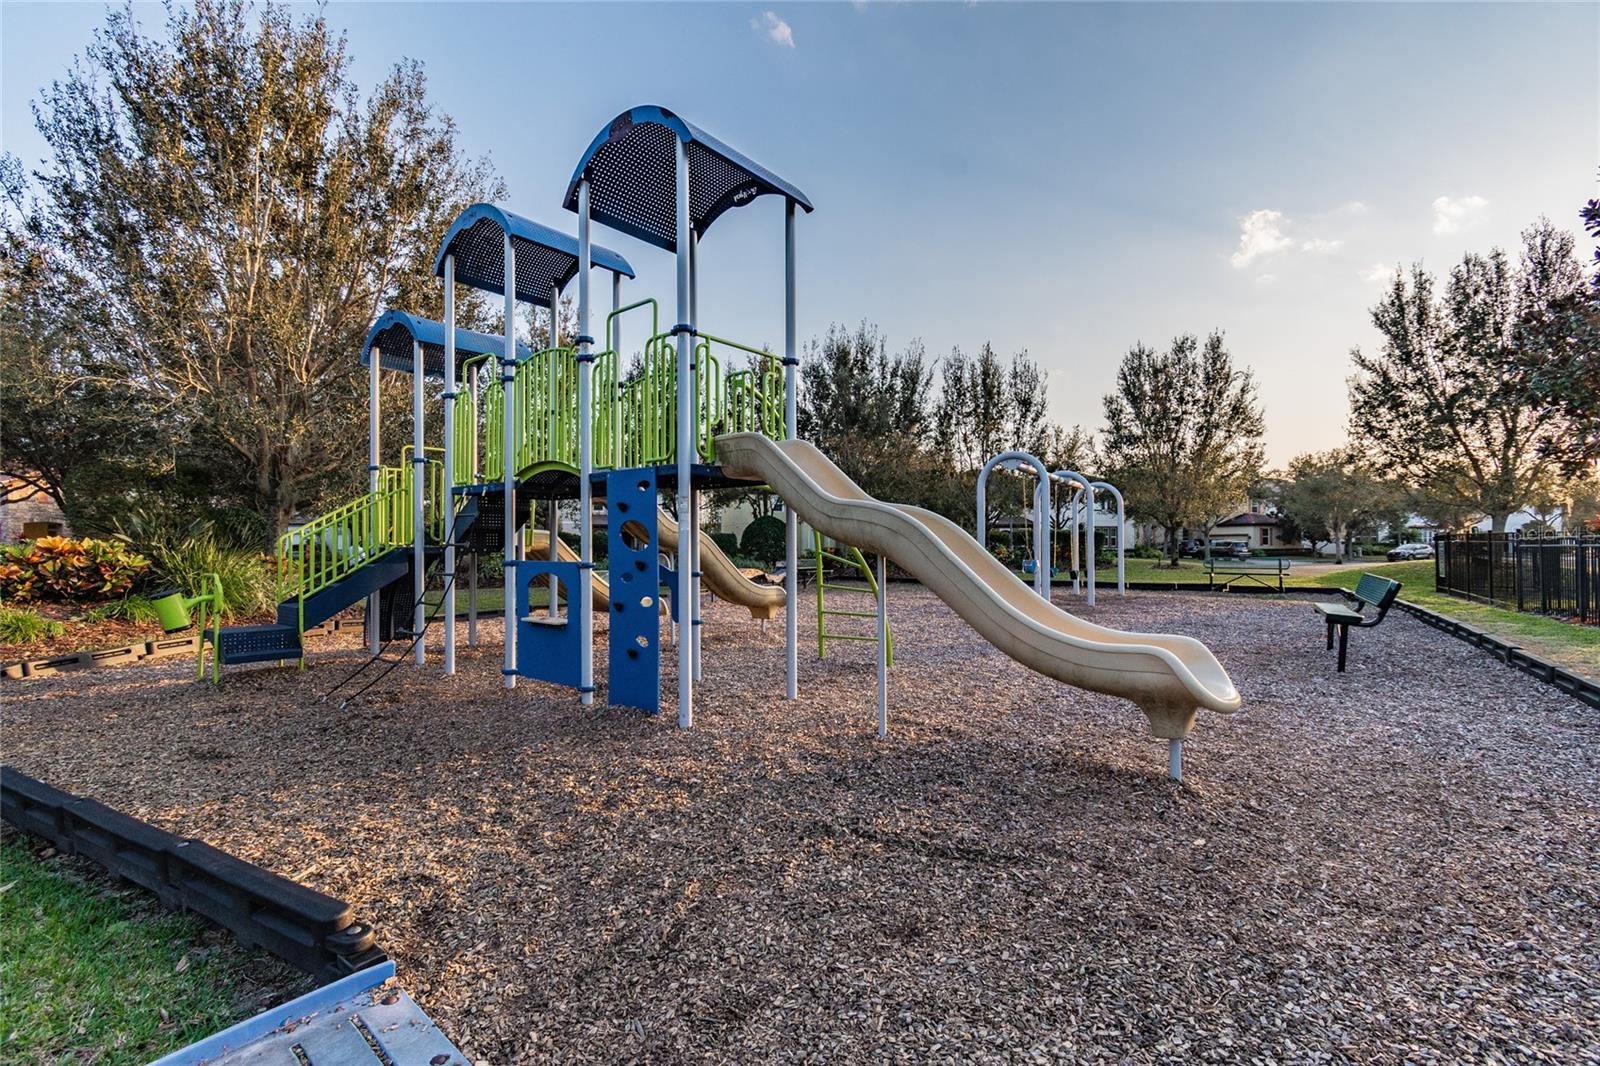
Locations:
{"points": [[334, 545], [635, 409], [855, 560]]}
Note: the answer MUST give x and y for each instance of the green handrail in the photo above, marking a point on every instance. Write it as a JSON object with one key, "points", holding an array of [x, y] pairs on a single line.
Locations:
{"points": [[335, 545], [634, 410]]}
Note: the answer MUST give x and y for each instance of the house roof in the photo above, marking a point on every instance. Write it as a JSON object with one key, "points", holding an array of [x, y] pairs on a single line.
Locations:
{"points": [[1250, 518]]}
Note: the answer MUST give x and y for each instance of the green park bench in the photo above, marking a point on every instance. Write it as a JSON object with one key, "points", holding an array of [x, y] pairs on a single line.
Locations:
{"points": [[1371, 591], [1258, 570]]}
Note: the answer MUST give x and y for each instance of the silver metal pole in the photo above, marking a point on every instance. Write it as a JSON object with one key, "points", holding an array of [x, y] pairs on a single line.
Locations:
{"points": [[685, 443], [472, 603], [1041, 537], [1072, 533], [791, 522], [1122, 521], [472, 588], [883, 646], [585, 595], [1175, 759], [448, 503], [508, 445], [698, 625], [419, 468], [1086, 487], [615, 343], [551, 418], [376, 517]]}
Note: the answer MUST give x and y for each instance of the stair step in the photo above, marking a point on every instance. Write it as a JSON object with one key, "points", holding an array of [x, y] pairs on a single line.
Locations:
{"points": [[259, 644]]}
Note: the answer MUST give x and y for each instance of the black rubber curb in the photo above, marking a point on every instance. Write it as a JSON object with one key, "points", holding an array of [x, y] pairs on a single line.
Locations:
{"points": [[303, 927], [1577, 686]]}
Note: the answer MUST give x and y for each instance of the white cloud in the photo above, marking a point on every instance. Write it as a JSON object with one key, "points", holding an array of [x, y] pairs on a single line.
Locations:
{"points": [[1451, 213], [1260, 233], [1377, 272], [1266, 279], [773, 28], [1354, 207]]}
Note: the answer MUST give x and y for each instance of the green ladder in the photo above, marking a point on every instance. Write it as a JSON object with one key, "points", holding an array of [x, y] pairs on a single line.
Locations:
{"points": [[855, 560]]}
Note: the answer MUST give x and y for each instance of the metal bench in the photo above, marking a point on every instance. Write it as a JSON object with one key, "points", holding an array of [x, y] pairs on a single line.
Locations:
{"points": [[1371, 591], [1241, 570]]}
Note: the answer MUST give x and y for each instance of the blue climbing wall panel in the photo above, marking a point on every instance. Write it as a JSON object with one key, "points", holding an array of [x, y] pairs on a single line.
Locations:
{"points": [[634, 673], [548, 649]]}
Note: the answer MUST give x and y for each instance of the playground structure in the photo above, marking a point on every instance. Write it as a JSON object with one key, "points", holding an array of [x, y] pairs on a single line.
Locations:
{"points": [[574, 422]]}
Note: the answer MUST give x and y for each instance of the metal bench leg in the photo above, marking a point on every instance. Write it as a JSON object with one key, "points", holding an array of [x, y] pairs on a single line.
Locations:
{"points": [[1344, 638], [1330, 636]]}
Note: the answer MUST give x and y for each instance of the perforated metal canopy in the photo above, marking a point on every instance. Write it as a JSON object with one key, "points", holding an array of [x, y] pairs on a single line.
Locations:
{"points": [[392, 334], [633, 177], [546, 258]]}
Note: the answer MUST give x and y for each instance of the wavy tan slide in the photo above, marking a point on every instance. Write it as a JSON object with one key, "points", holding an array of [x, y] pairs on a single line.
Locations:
{"points": [[1169, 677], [718, 573]]}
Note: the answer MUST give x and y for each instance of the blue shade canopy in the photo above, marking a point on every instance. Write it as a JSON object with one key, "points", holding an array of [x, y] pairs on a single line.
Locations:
{"points": [[546, 259], [633, 177], [392, 335]]}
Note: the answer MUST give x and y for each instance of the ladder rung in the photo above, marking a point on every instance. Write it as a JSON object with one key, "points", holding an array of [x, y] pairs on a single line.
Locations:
{"points": [[847, 636], [852, 614]]}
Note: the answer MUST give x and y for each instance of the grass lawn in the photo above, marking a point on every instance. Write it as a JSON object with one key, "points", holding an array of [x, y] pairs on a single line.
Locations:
{"points": [[1575, 647], [94, 973]]}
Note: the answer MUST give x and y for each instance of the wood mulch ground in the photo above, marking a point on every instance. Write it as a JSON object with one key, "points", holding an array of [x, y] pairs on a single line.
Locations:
{"points": [[1401, 863]]}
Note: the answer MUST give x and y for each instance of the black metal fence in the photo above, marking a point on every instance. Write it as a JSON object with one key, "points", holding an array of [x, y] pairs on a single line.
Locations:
{"points": [[1550, 575]]}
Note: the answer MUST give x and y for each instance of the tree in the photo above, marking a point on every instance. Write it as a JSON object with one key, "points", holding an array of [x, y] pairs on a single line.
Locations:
{"points": [[238, 216], [1451, 399], [71, 429], [1183, 434], [1331, 495], [1565, 356]]}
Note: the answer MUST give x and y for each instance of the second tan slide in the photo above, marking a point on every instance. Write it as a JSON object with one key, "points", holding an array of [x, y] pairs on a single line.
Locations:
{"points": [[718, 572]]}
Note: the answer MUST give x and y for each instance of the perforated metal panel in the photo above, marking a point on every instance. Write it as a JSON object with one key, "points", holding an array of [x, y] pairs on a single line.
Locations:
{"points": [[546, 259], [391, 336], [633, 182]]}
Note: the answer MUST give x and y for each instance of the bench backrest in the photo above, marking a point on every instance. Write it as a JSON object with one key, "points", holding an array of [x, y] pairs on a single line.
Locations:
{"points": [[1277, 565], [1380, 592]]}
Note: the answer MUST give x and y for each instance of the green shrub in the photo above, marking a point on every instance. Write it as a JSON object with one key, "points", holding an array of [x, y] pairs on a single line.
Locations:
{"points": [[727, 542], [764, 539], [1145, 551], [181, 557], [23, 626], [131, 608], [64, 569]]}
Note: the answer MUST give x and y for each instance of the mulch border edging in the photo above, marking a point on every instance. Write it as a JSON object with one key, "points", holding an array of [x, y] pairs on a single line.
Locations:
{"points": [[160, 648], [310, 931], [1563, 680]]}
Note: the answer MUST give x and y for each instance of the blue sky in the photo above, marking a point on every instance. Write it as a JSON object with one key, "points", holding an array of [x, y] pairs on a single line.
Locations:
{"points": [[1065, 178]]}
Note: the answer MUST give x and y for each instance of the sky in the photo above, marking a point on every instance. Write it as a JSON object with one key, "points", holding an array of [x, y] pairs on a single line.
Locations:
{"points": [[1067, 179]]}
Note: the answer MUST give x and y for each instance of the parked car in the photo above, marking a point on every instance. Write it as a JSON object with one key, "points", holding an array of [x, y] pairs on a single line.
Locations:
{"points": [[1229, 549], [1191, 549], [1410, 551]]}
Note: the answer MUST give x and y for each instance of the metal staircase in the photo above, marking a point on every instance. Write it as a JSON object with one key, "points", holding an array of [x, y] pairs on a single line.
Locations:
{"points": [[337, 560]]}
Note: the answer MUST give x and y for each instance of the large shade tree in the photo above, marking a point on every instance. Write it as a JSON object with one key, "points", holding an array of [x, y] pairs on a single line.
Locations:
{"points": [[1183, 437], [237, 213], [1452, 399]]}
